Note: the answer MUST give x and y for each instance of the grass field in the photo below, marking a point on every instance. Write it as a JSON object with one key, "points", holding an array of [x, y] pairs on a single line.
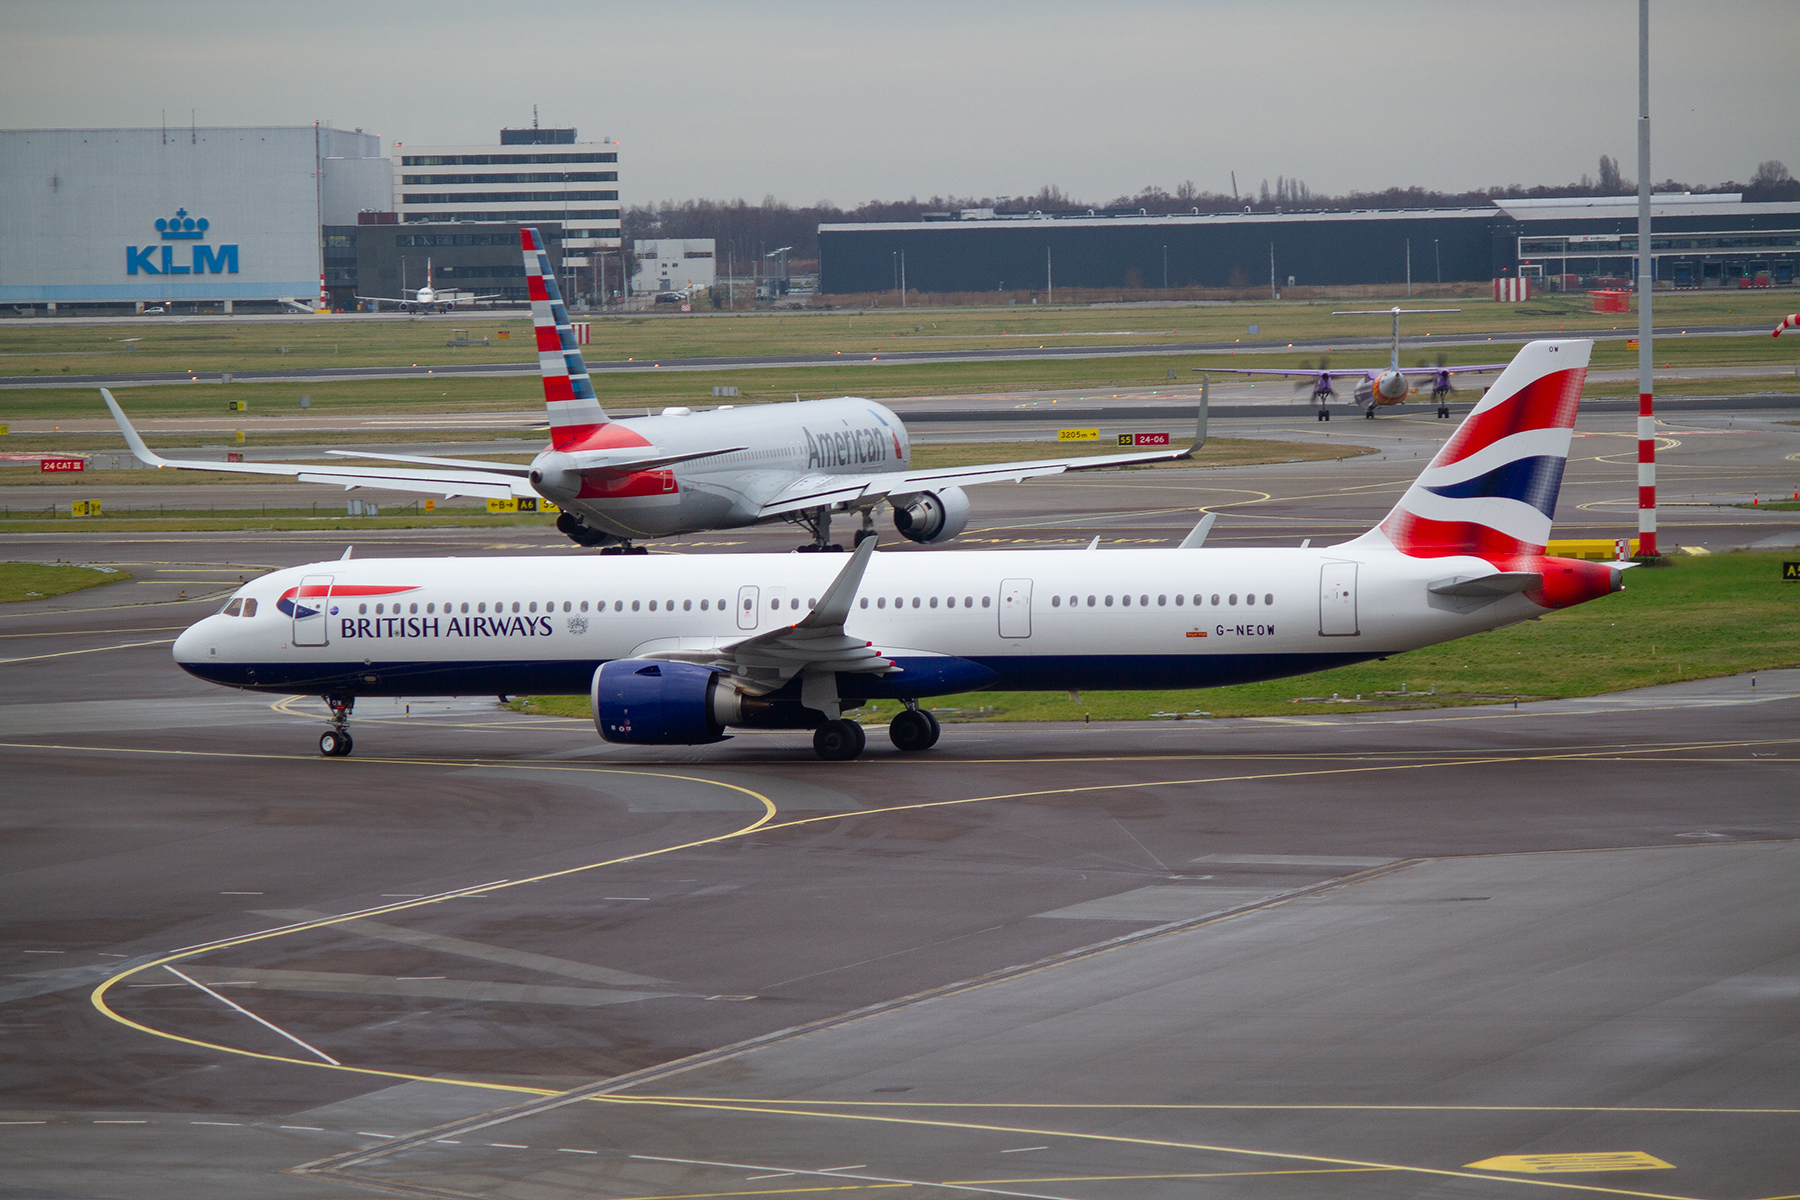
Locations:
{"points": [[625, 393], [1720, 614], [168, 344], [34, 581]]}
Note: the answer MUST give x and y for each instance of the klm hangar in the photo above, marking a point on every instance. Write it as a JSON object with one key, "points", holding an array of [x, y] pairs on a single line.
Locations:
{"points": [[124, 219]]}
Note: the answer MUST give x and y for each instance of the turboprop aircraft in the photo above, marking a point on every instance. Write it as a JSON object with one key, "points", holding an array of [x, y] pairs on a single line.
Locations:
{"points": [[678, 649], [430, 298], [620, 481], [1375, 386]]}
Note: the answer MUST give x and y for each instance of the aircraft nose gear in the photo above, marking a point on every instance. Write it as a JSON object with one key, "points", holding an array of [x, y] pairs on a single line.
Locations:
{"points": [[336, 742]]}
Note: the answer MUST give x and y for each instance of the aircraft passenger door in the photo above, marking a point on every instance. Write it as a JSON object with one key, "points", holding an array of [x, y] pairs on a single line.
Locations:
{"points": [[312, 599], [748, 597], [1337, 600], [1015, 608]]}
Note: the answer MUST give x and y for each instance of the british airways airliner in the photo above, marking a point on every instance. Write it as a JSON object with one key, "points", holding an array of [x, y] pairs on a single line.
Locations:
{"points": [[678, 649], [622, 481]]}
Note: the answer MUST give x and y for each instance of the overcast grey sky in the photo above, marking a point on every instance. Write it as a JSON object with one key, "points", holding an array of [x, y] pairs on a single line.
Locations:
{"points": [[850, 101]]}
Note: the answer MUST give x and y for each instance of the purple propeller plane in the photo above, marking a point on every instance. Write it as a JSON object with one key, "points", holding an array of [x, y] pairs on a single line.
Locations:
{"points": [[1375, 386]]}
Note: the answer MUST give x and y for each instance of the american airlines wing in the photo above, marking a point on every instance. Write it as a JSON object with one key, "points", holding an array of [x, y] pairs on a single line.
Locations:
{"points": [[816, 491], [492, 481]]}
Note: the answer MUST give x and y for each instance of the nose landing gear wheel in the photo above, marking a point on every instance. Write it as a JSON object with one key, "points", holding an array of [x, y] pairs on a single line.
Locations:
{"points": [[839, 741], [335, 743]]}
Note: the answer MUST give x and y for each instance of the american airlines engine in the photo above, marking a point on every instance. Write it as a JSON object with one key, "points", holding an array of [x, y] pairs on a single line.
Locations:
{"points": [[620, 482], [681, 649]]}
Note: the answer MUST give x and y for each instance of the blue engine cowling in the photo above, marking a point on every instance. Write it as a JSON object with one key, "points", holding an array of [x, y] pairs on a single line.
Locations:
{"points": [[649, 703]]}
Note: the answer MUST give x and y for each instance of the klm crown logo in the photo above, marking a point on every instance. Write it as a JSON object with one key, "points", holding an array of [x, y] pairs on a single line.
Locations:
{"points": [[181, 227], [215, 260]]}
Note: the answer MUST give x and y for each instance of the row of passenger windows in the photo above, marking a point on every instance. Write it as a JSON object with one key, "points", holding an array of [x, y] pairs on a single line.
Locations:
{"points": [[243, 606], [1161, 601]]}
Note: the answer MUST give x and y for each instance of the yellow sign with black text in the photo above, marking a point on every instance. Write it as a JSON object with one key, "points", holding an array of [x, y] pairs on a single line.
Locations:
{"points": [[1078, 435], [84, 508], [1791, 570], [503, 506]]}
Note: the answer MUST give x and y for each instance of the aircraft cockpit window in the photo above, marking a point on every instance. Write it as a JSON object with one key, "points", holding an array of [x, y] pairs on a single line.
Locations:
{"points": [[234, 608], [249, 608]]}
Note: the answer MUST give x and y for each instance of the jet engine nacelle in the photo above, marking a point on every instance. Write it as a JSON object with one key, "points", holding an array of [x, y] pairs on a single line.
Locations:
{"points": [[644, 702], [933, 517]]}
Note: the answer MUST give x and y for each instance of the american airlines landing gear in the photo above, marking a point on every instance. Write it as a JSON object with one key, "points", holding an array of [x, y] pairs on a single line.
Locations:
{"points": [[914, 729], [336, 742], [839, 740], [868, 527], [818, 523]]}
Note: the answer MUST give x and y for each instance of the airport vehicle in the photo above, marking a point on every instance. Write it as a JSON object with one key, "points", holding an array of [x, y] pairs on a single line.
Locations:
{"points": [[1376, 386], [618, 482], [430, 299], [678, 649]]}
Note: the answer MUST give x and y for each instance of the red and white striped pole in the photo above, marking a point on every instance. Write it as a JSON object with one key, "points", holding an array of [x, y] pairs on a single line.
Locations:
{"points": [[1646, 282], [324, 296]]}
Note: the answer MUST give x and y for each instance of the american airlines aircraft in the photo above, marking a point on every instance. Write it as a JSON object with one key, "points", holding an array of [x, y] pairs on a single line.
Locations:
{"points": [[677, 649], [684, 472]]}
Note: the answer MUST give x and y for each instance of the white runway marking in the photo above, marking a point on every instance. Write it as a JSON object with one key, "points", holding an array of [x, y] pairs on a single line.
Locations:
{"points": [[233, 1004]]}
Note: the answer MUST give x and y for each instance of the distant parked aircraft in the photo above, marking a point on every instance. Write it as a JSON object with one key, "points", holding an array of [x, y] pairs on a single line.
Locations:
{"points": [[431, 299]]}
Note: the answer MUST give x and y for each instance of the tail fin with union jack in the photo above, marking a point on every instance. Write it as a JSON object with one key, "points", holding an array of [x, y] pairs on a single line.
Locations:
{"points": [[1491, 491]]}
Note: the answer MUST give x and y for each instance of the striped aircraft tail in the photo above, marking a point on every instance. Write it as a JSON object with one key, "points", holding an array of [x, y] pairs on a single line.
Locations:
{"points": [[575, 412], [1491, 491]]}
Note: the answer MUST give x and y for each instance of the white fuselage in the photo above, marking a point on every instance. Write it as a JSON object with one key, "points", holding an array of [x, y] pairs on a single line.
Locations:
{"points": [[1018, 620], [782, 445]]}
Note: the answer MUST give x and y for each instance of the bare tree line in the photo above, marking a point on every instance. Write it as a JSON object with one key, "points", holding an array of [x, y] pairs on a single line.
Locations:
{"points": [[745, 231]]}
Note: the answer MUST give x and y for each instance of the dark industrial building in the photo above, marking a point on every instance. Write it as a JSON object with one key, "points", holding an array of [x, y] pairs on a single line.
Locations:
{"points": [[1711, 241], [381, 258]]}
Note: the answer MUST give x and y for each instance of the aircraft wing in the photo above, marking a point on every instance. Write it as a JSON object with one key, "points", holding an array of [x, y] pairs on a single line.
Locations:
{"points": [[1487, 368], [488, 481], [817, 491], [390, 299], [602, 462], [815, 646], [1292, 374]]}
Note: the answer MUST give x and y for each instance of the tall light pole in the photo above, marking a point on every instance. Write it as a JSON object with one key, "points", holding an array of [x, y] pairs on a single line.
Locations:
{"points": [[1646, 283], [1165, 266], [1438, 260]]}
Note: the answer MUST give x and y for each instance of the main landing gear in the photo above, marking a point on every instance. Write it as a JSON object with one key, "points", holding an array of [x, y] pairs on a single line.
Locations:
{"points": [[817, 522], [912, 730], [1324, 413], [1370, 413], [336, 742]]}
